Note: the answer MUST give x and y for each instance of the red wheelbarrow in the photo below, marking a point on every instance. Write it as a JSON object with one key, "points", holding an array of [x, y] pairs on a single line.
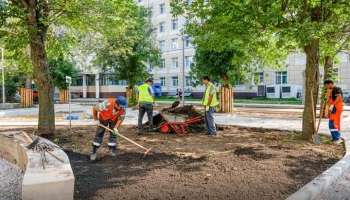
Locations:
{"points": [[176, 122]]}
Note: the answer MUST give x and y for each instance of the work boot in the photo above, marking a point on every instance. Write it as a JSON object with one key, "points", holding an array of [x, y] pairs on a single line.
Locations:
{"points": [[112, 153], [139, 132], [153, 129], [93, 156], [336, 141]]}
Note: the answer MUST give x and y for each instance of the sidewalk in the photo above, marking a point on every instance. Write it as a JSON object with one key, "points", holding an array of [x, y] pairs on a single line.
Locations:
{"points": [[244, 105]]}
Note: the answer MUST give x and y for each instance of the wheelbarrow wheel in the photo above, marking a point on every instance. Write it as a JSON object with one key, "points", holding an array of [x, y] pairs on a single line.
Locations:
{"points": [[164, 128]]}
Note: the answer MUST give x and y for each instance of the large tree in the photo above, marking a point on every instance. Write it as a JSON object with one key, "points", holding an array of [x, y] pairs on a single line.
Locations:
{"points": [[131, 64], [34, 18], [295, 24]]}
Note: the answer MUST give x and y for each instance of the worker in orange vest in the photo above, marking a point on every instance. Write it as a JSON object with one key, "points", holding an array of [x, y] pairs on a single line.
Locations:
{"points": [[112, 113], [335, 109]]}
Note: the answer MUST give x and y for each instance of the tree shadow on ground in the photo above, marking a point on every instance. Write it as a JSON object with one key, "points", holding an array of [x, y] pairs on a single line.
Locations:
{"points": [[253, 153], [304, 168]]}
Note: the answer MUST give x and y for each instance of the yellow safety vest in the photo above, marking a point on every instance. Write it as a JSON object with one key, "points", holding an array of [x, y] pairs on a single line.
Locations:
{"points": [[214, 101], [144, 95]]}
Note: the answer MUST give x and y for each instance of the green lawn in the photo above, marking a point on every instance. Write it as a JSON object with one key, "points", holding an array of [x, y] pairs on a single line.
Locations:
{"points": [[291, 101]]}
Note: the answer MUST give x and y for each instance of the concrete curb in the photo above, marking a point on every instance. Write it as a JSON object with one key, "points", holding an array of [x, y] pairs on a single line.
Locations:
{"points": [[324, 180]]}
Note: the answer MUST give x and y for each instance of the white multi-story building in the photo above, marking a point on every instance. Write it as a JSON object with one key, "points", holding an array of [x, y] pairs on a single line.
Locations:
{"points": [[177, 56]]}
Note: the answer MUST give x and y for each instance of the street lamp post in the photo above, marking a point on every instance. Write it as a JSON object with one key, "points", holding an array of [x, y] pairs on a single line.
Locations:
{"points": [[69, 81], [183, 67], [183, 70], [3, 78]]}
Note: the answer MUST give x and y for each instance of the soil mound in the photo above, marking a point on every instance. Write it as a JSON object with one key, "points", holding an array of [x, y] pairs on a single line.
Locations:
{"points": [[191, 111]]}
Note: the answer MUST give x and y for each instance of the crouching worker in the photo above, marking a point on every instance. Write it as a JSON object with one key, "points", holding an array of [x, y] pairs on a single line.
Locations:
{"points": [[112, 113]]}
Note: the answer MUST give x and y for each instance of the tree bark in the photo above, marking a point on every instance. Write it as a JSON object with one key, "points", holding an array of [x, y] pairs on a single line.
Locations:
{"points": [[311, 88], [28, 82], [37, 29], [328, 67]]}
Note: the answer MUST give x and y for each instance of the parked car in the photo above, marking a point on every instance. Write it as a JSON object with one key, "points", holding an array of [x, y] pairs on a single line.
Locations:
{"points": [[346, 97]]}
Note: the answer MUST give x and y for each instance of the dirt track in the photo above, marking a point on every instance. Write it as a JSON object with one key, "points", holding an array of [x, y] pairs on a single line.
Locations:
{"points": [[238, 164]]}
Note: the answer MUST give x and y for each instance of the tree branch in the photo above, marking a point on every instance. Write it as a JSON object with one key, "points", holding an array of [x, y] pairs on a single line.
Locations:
{"points": [[304, 12], [330, 13]]}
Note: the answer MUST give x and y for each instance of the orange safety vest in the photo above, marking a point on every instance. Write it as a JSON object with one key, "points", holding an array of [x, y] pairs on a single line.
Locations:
{"points": [[110, 115]]}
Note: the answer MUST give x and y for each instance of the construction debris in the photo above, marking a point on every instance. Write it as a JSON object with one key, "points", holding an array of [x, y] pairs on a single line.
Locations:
{"points": [[41, 146]]}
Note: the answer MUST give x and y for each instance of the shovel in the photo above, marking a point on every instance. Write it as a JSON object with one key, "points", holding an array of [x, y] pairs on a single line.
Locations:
{"points": [[316, 137], [145, 149]]}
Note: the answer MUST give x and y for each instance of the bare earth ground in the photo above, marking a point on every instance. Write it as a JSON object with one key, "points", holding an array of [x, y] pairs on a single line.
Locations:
{"points": [[237, 164]]}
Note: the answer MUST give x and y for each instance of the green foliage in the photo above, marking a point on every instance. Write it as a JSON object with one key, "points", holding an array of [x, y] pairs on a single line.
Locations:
{"points": [[218, 66], [59, 69], [130, 65], [10, 85], [133, 100]]}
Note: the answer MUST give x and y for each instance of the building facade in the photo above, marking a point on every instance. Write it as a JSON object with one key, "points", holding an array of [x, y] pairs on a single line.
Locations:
{"points": [[177, 56]]}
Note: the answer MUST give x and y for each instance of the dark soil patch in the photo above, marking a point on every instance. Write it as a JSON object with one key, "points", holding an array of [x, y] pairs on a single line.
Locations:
{"points": [[237, 164]]}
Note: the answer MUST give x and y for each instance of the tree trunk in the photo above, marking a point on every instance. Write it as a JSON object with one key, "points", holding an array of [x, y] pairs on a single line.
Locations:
{"points": [[37, 29], [328, 67], [28, 82], [311, 88]]}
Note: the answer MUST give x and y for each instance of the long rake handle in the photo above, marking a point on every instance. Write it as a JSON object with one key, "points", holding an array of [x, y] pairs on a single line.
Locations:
{"points": [[321, 114], [125, 138]]}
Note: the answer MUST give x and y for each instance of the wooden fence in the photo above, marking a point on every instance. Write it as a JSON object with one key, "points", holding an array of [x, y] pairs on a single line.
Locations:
{"points": [[26, 97], [226, 99], [64, 96]]}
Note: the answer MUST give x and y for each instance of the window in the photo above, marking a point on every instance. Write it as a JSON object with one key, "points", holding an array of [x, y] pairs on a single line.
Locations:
{"points": [[174, 43], [281, 77], [139, 1], [163, 64], [239, 83], [189, 2], [259, 77], [174, 63], [150, 12], [150, 66], [162, 8], [188, 42], [162, 45], [90, 79], [78, 81], [174, 24], [104, 79], [188, 61], [188, 81], [162, 27], [162, 81], [174, 81]]}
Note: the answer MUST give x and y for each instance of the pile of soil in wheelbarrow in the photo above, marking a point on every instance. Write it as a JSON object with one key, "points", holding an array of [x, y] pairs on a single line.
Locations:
{"points": [[191, 111]]}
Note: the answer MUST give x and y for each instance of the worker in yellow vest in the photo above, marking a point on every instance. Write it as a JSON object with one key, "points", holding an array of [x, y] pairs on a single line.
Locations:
{"points": [[209, 101], [145, 98]]}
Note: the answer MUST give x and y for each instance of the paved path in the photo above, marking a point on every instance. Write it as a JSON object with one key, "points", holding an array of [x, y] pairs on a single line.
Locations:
{"points": [[338, 190]]}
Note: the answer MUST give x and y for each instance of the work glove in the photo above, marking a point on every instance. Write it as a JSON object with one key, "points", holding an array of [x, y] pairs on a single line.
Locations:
{"points": [[207, 108], [331, 108], [115, 131], [97, 122]]}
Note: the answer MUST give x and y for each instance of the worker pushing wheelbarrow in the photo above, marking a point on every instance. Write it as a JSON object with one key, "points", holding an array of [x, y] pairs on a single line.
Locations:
{"points": [[176, 122]]}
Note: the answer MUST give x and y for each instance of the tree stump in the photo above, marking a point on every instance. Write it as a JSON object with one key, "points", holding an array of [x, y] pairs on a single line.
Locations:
{"points": [[26, 97], [226, 99], [64, 96]]}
